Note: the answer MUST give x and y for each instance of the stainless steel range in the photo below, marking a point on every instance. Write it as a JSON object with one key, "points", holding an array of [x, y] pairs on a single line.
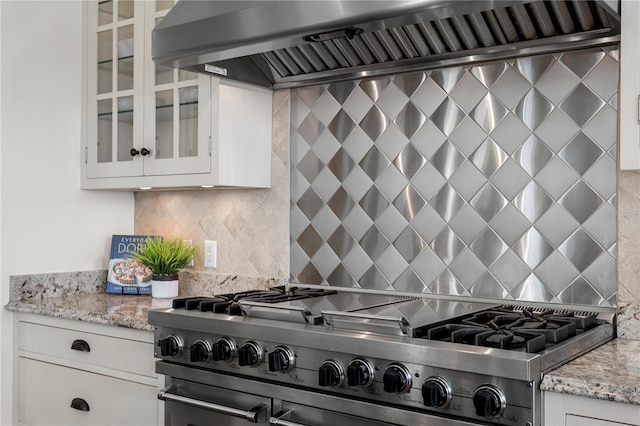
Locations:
{"points": [[308, 356]]}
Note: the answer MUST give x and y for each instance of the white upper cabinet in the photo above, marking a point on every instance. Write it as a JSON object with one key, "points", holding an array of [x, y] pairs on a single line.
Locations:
{"points": [[629, 93], [149, 125]]}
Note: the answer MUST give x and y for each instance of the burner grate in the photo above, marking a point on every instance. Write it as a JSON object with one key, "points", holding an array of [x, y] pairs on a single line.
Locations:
{"points": [[228, 303], [514, 328]]}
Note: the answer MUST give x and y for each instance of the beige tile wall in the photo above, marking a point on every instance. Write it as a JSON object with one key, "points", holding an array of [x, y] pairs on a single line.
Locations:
{"points": [[628, 237], [250, 226]]}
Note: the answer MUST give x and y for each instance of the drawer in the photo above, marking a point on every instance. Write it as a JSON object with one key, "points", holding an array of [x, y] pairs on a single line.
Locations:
{"points": [[127, 355], [46, 392]]}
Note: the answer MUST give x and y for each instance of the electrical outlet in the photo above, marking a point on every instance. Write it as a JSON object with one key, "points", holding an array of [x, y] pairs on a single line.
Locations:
{"points": [[190, 244], [210, 253]]}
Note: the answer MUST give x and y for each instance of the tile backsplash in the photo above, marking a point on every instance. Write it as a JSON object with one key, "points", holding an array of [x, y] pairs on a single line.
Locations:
{"points": [[495, 180]]}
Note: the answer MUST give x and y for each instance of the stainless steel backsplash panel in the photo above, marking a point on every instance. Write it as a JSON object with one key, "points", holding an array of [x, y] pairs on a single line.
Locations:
{"points": [[495, 180]]}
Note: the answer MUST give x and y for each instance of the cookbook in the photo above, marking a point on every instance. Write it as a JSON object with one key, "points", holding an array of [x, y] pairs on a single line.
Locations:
{"points": [[125, 275]]}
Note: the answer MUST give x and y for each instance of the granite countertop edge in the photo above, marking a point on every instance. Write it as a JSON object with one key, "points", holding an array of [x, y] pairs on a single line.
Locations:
{"points": [[43, 308], [589, 389], [610, 372], [81, 295], [597, 374]]}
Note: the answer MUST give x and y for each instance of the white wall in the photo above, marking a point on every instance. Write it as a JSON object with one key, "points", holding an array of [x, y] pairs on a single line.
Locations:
{"points": [[47, 224]]}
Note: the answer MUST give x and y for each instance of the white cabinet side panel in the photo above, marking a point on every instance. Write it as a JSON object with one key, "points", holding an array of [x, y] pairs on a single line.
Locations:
{"points": [[245, 123]]}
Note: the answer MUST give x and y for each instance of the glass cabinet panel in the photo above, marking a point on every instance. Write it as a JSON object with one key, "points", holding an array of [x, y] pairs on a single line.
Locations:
{"points": [[105, 61], [188, 139], [184, 75], [164, 124], [125, 57], [125, 128], [105, 12], [105, 131], [125, 9], [164, 74]]}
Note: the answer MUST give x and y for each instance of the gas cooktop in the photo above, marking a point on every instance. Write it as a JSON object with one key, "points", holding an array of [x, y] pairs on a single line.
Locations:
{"points": [[465, 359], [479, 324]]}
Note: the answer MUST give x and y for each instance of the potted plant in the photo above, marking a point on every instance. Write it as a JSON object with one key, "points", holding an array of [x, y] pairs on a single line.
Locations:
{"points": [[165, 258]]}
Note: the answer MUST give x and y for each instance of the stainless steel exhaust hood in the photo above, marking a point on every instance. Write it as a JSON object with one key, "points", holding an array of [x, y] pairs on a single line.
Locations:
{"points": [[281, 44]]}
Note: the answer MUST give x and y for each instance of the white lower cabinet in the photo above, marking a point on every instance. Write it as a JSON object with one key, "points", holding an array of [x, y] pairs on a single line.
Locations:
{"points": [[571, 410], [76, 373], [52, 394]]}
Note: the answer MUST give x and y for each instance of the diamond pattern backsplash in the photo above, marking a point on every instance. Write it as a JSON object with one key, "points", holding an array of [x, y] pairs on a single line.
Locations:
{"points": [[495, 180]]}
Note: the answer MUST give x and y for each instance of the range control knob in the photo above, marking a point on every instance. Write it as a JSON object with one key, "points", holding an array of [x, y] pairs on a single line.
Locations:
{"points": [[250, 354], [396, 379], [330, 374], [436, 392], [200, 351], [489, 401], [359, 372], [224, 349], [170, 346], [281, 359]]}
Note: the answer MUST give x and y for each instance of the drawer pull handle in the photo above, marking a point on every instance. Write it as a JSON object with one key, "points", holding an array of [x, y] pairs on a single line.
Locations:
{"points": [[80, 345], [80, 404]]}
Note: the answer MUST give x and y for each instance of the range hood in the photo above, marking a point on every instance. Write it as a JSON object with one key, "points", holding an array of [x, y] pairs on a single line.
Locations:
{"points": [[280, 44]]}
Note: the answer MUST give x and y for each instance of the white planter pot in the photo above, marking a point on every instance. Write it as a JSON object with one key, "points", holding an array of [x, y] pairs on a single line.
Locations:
{"points": [[164, 288]]}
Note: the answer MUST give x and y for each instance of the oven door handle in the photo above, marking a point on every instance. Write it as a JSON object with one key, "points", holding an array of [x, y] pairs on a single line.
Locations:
{"points": [[257, 414], [279, 420], [400, 321]]}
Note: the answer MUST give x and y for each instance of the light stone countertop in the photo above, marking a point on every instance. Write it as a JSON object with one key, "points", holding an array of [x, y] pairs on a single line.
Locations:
{"points": [[101, 308], [81, 296], [610, 372]]}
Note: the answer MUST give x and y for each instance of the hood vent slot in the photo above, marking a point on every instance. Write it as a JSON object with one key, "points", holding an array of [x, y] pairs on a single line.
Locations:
{"points": [[502, 26], [353, 52]]}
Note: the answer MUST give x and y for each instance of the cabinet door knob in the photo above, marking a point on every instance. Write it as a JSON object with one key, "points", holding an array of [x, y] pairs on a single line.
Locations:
{"points": [[80, 345], [134, 152], [144, 151], [80, 404]]}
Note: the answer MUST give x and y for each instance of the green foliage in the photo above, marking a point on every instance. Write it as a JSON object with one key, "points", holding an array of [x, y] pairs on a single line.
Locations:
{"points": [[165, 257]]}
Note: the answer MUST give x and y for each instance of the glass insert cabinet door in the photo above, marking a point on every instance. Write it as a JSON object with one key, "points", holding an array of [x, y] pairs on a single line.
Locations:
{"points": [[177, 112], [143, 119], [114, 79]]}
